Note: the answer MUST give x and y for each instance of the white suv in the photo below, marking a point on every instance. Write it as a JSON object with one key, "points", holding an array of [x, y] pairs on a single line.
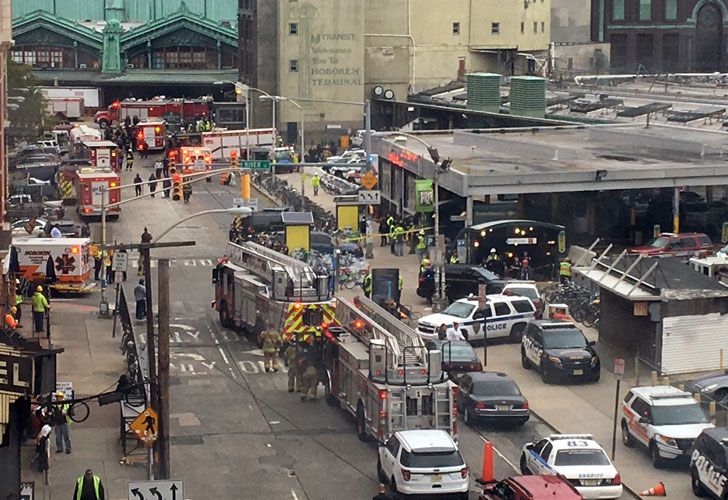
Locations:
{"points": [[664, 419], [423, 462], [502, 316]]}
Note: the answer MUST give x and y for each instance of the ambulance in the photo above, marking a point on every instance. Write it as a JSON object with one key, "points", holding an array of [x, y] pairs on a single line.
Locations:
{"points": [[63, 262], [150, 133], [195, 160], [90, 183]]}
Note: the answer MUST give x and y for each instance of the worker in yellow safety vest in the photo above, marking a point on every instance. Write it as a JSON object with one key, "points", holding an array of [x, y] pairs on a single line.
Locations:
{"points": [[89, 487], [565, 270]]}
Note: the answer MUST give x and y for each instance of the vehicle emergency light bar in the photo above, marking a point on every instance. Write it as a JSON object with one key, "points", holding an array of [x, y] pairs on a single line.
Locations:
{"points": [[674, 395], [554, 437]]}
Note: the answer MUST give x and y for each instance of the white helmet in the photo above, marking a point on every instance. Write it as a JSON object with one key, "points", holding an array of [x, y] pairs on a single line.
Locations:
{"points": [[492, 250]]}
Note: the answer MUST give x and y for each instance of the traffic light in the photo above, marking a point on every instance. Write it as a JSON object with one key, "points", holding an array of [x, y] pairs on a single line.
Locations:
{"points": [[245, 186], [234, 158], [176, 181]]}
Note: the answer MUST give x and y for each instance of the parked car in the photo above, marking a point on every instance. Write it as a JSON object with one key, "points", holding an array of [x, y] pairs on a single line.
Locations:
{"points": [[458, 357], [576, 457], [663, 419], [346, 156], [264, 220], [520, 288], [502, 316], [541, 487], [491, 396], [676, 245], [713, 387], [709, 464], [559, 350], [462, 280], [423, 462]]}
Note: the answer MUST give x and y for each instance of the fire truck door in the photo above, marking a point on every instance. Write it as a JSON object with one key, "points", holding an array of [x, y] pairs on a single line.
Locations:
{"points": [[149, 136], [103, 158], [96, 192]]}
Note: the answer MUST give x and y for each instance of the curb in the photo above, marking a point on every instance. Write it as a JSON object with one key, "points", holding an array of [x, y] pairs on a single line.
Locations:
{"points": [[549, 424]]}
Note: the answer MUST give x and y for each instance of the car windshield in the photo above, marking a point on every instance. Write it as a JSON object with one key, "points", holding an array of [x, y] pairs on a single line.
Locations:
{"points": [[659, 242], [678, 414], [457, 352], [486, 274], [524, 291], [581, 457], [563, 339], [427, 459], [495, 388], [459, 310]]}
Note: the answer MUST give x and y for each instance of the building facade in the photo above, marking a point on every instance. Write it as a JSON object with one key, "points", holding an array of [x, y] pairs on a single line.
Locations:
{"points": [[127, 43], [663, 35], [6, 42], [340, 51]]}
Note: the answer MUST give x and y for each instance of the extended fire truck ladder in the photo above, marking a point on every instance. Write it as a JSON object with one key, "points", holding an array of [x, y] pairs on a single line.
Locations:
{"points": [[290, 278]]}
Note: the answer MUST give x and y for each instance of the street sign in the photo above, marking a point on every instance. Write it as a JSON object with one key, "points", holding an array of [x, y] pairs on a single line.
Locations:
{"points": [[369, 197], [368, 180], [255, 164], [619, 367], [118, 277], [156, 490], [250, 202], [145, 426], [120, 261]]}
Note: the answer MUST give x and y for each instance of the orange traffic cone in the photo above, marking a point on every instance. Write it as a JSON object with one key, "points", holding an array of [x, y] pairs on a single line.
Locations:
{"points": [[657, 490]]}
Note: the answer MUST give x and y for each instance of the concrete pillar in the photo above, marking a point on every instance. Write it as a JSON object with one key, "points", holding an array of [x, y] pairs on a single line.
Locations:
{"points": [[554, 206], [468, 211]]}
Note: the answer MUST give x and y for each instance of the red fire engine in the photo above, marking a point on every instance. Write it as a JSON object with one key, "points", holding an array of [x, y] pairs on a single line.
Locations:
{"points": [[100, 154], [90, 184], [151, 133], [187, 109]]}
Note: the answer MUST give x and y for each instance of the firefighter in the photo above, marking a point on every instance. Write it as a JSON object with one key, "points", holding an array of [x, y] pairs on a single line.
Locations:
{"points": [[129, 159], [309, 373], [271, 341], [291, 360]]}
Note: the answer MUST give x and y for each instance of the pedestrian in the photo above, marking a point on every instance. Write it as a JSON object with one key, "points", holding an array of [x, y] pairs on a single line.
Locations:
{"points": [[165, 165], [398, 293], [42, 450], [166, 186], [421, 245], [383, 231], [129, 159], [315, 183], [40, 306], [108, 267], [565, 270], [98, 261], [525, 267], [62, 420], [144, 149], [89, 487], [399, 240], [152, 184], [381, 493], [158, 169], [55, 232], [138, 185], [442, 332], [140, 296], [291, 360], [186, 192], [271, 342], [19, 299], [454, 333]]}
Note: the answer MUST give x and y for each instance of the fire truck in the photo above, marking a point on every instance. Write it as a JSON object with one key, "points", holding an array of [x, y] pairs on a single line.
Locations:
{"points": [[101, 154], [90, 183], [195, 160], [379, 370], [185, 109], [62, 262], [258, 288], [151, 133], [222, 143]]}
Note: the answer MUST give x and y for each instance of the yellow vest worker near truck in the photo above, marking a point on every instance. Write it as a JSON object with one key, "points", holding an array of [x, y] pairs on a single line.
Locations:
{"points": [[40, 306], [565, 270]]}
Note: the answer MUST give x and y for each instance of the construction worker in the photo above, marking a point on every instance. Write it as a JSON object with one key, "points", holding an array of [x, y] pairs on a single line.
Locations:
{"points": [[421, 245], [89, 487], [129, 159], [61, 422], [18, 302], [40, 306], [315, 183], [398, 234], [367, 285], [565, 270], [291, 360], [390, 227], [271, 342], [10, 324], [424, 263]]}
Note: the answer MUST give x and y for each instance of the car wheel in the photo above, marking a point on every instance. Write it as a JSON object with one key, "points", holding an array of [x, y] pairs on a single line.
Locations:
{"points": [[524, 466], [657, 460], [361, 427], [380, 473], [545, 376], [697, 487], [517, 333], [627, 439], [524, 360]]}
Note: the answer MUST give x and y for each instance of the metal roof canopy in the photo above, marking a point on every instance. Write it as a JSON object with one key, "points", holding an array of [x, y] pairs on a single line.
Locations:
{"points": [[498, 223], [297, 218]]}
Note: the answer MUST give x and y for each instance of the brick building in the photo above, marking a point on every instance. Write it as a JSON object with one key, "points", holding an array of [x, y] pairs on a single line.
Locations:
{"points": [[663, 35]]}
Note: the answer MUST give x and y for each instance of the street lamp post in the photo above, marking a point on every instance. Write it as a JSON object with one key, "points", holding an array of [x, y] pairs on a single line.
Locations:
{"points": [[277, 98], [231, 211]]}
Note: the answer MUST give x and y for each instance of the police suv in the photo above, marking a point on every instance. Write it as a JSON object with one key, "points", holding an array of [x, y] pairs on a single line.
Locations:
{"points": [[709, 464], [558, 349], [579, 459], [502, 316], [664, 419]]}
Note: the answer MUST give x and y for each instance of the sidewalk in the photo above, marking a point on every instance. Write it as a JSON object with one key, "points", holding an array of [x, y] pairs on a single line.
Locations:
{"points": [[92, 362]]}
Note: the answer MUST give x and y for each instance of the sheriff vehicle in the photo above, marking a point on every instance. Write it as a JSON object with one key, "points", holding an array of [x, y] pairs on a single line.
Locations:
{"points": [[579, 459]]}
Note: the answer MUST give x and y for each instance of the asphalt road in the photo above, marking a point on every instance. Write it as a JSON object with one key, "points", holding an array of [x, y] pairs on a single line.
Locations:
{"points": [[235, 430]]}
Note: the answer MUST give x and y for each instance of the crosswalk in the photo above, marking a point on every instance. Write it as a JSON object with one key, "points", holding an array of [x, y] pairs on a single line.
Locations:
{"points": [[133, 263]]}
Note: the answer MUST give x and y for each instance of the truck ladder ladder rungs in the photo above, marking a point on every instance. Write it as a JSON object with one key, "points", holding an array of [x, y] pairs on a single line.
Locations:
{"points": [[265, 258]]}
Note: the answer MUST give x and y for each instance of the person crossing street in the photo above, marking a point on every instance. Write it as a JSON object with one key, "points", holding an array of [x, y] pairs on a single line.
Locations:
{"points": [[271, 342], [315, 183]]}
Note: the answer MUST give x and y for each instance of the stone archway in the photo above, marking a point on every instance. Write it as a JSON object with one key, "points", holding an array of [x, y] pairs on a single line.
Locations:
{"points": [[709, 38]]}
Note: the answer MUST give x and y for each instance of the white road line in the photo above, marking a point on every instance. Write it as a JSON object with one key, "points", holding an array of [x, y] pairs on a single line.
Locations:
{"points": [[515, 469], [223, 356], [293, 494]]}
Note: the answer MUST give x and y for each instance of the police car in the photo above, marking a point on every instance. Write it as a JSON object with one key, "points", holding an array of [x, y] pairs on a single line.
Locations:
{"points": [[502, 316], [664, 419], [709, 464], [579, 459], [558, 349]]}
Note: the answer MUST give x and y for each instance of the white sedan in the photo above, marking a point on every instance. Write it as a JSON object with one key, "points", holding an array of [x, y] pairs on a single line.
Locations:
{"points": [[579, 459]]}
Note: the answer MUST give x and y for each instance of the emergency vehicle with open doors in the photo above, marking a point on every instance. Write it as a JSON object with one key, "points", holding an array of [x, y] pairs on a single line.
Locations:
{"points": [[258, 288], [90, 185], [379, 370], [63, 263], [150, 133], [226, 143], [195, 160], [101, 153]]}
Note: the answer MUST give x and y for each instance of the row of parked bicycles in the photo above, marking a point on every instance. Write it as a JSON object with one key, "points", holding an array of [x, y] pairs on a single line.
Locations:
{"points": [[583, 303], [289, 196]]}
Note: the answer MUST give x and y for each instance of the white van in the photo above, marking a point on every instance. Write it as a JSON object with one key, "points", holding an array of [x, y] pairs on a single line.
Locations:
{"points": [[502, 316]]}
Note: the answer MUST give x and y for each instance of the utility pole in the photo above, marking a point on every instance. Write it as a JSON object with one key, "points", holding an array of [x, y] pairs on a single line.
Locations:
{"points": [[163, 372], [151, 349]]}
